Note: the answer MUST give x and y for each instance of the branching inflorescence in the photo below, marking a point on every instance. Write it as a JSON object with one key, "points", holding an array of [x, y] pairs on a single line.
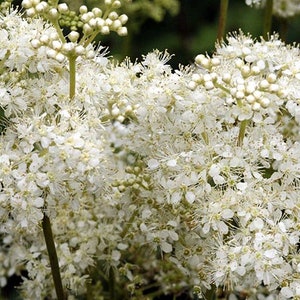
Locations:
{"points": [[155, 180]]}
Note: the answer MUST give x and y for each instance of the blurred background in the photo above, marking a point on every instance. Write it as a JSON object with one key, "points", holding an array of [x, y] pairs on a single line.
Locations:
{"points": [[193, 29]]}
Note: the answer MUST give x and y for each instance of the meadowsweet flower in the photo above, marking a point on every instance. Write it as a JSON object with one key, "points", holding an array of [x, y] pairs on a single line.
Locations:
{"points": [[186, 172], [252, 88], [254, 2], [281, 8]]}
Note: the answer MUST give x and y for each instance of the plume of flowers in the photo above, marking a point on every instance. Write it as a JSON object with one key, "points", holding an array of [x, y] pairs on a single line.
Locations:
{"points": [[187, 178], [281, 8]]}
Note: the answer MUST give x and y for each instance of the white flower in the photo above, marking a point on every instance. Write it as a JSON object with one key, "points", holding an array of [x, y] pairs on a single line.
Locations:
{"points": [[282, 8]]}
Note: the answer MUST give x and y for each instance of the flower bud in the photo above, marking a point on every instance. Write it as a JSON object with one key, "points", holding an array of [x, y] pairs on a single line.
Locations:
{"points": [[27, 4], [274, 88], [51, 53], [60, 57], [44, 39], [85, 17], [90, 54], [73, 36], [271, 78], [53, 13], [196, 78], [35, 43], [209, 85], [257, 94], [56, 45], [122, 31], [100, 23], [87, 28], [30, 12], [41, 7], [256, 106], [79, 50], [63, 8], [83, 9], [246, 71], [250, 99], [116, 25], [192, 85], [226, 77], [92, 22], [255, 70], [68, 47], [215, 61], [53, 36], [123, 18], [97, 12], [264, 102], [239, 63], [113, 15], [108, 22], [116, 4], [239, 95], [202, 60], [264, 84]]}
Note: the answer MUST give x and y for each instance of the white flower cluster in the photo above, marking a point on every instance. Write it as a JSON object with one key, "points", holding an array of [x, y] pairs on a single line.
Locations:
{"points": [[189, 174], [256, 3], [91, 23], [281, 8], [254, 81]]}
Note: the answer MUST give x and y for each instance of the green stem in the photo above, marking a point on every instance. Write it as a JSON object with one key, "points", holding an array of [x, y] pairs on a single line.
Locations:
{"points": [[53, 258], [58, 30], [72, 70], [222, 19], [89, 39], [242, 132], [268, 19]]}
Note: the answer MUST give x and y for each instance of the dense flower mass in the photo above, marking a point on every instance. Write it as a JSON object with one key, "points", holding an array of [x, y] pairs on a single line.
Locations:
{"points": [[188, 177]]}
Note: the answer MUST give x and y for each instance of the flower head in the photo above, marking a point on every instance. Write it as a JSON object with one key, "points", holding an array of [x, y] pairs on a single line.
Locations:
{"points": [[281, 8]]}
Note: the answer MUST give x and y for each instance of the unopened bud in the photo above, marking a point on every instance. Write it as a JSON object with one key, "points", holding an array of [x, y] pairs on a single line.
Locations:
{"points": [[60, 57], [123, 18], [62, 7], [53, 13], [116, 4], [83, 9], [73, 36], [97, 12], [122, 31], [105, 30]]}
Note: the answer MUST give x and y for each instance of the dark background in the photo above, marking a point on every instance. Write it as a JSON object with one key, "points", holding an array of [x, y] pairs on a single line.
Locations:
{"points": [[194, 30]]}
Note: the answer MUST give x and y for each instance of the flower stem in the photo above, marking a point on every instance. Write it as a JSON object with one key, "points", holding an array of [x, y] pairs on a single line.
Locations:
{"points": [[72, 70], [222, 19], [58, 28], [242, 132], [53, 258], [268, 19]]}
